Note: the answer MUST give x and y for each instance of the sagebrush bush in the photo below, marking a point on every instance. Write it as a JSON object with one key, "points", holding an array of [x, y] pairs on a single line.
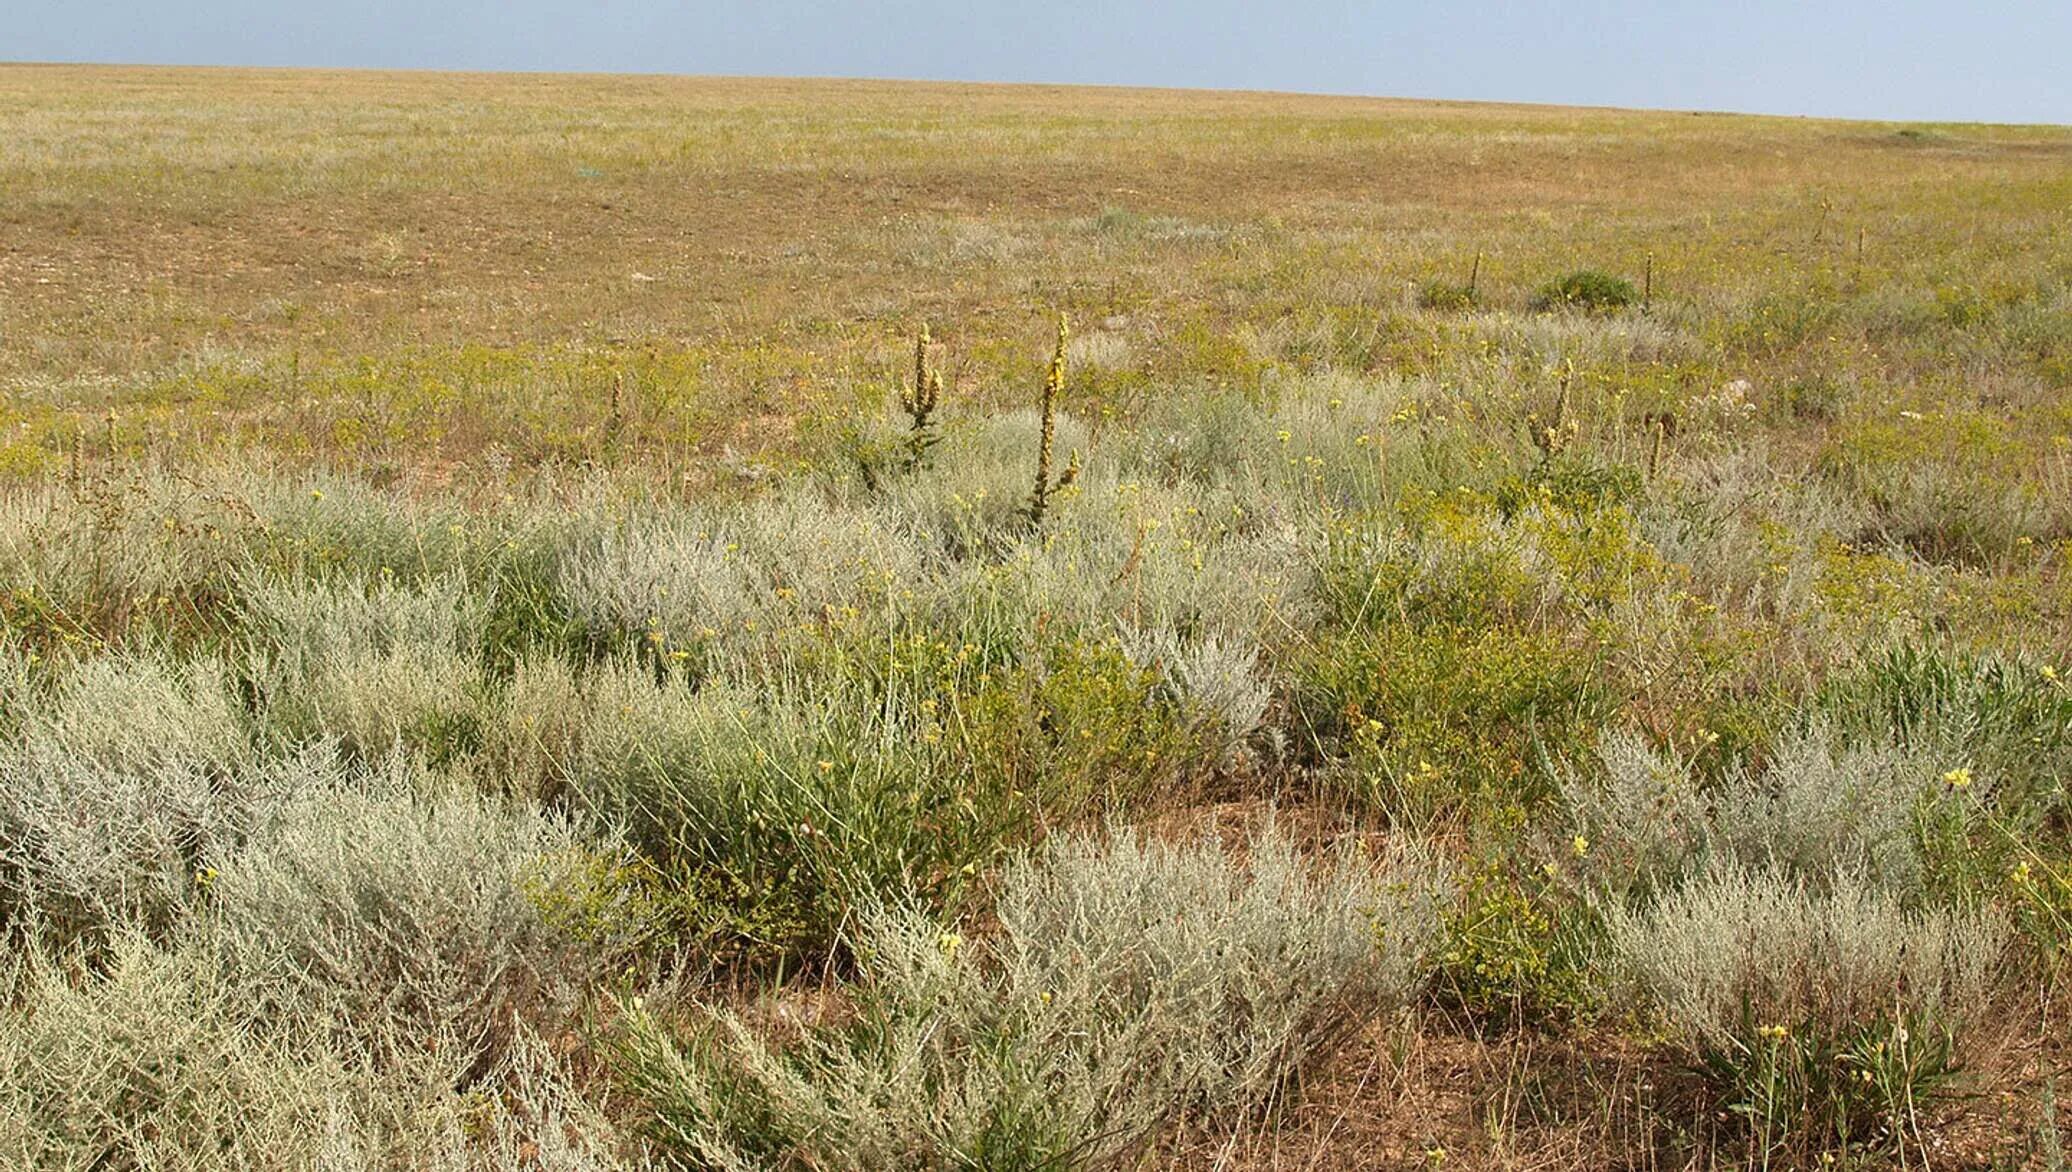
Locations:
{"points": [[169, 1058], [1216, 681], [85, 848], [1735, 944], [120, 776], [138, 713], [420, 912], [1817, 808], [370, 665], [1128, 983], [1817, 1011]]}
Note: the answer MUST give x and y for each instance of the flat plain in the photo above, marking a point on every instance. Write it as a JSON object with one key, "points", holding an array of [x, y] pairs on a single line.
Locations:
{"points": [[587, 622]]}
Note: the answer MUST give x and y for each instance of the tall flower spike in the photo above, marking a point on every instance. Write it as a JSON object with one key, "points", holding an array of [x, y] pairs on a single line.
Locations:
{"points": [[1053, 386], [920, 400]]}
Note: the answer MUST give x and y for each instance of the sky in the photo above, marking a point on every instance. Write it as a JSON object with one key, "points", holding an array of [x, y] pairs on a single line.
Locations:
{"points": [[1944, 60]]}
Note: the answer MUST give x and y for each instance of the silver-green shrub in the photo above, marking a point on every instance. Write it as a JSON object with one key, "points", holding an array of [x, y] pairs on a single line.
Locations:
{"points": [[408, 910], [1819, 807], [1128, 983], [108, 814], [1736, 951], [369, 664], [165, 1059]]}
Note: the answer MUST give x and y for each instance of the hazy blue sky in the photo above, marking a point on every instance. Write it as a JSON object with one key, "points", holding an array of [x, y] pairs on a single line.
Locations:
{"points": [[2002, 60]]}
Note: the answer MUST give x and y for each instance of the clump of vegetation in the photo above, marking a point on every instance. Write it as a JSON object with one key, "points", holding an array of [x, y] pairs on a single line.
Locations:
{"points": [[1128, 982], [1824, 1017], [1447, 296], [1588, 291]]}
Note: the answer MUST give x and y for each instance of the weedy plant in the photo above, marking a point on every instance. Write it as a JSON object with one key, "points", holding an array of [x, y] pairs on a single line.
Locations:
{"points": [[1448, 296], [1053, 387], [920, 401]]}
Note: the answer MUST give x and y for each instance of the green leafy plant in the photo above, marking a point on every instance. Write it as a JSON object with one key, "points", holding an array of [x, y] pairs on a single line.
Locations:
{"points": [[1587, 290]]}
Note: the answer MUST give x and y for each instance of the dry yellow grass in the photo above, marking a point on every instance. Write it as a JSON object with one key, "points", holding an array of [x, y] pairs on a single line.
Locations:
{"points": [[409, 267]]}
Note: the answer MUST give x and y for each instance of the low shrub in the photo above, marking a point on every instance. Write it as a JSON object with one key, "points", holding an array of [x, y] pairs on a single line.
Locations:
{"points": [[771, 814], [87, 847], [1587, 290], [1516, 950], [163, 1058], [416, 912], [1084, 727], [1817, 808], [1823, 1016], [1128, 984], [369, 665], [1448, 722], [1447, 296]]}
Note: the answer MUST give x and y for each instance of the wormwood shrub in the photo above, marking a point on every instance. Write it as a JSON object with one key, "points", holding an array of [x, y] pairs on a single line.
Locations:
{"points": [[1128, 984], [162, 1057], [369, 663], [127, 776], [137, 713], [690, 585], [1216, 682], [418, 912], [1818, 807], [1822, 1016], [1588, 290]]}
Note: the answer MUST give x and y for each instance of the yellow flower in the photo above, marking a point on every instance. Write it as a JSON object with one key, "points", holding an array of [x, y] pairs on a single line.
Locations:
{"points": [[1581, 845], [827, 766], [949, 943], [1774, 1033], [1958, 778]]}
